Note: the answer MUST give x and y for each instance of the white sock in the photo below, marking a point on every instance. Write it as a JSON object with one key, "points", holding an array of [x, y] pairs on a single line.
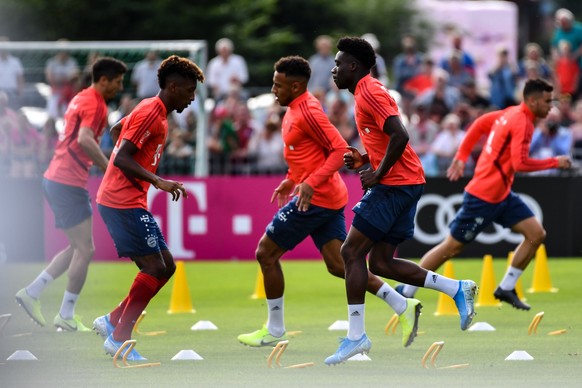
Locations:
{"points": [[394, 299], [68, 305], [275, 323], [409, 291], [38, 285], [510, 279], [435, 281], [356, 321]]}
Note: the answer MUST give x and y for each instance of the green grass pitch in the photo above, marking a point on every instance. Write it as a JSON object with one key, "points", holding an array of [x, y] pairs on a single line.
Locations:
{"points": [[220, 293]]}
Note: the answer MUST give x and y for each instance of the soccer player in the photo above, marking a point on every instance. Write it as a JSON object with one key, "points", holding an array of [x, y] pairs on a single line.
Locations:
{"points": [[488, 196], [122, 197], [314, 152], [384, 216], [64, 187]]}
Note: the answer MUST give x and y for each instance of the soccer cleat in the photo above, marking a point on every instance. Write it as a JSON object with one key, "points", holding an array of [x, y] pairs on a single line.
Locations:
{"points": [[31, 306], [349, 349], [73, 324], [260, 337], [102, 326], [111, 347], [465, 301], [409, 321], [511, 298]]}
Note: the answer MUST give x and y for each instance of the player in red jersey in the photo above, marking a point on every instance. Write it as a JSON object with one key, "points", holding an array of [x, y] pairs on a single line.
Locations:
{"points": [[384, 216], [311, 199], [488, 197], [64, 187], [122, 197]]}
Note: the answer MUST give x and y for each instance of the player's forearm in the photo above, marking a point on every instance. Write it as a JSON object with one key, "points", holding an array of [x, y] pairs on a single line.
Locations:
{"points": [[333, 163], [93, 150], [130, 167], [394, 151]]}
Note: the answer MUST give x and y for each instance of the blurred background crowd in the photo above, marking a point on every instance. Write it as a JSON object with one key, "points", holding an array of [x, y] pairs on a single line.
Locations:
{"points": [[439, 97]]}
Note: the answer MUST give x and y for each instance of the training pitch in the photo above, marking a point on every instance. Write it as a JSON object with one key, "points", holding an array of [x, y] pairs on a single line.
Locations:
{"points": [[221, 293]]}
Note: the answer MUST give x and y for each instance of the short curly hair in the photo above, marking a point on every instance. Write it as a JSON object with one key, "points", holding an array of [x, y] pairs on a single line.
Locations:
{"points": [[294, 66], [183, 67], [359, 49]]}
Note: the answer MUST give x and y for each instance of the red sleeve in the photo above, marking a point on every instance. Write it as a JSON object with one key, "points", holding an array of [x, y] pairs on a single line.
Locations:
{"points": [[329, 138], [136, 128], [92, 115], [480, 127], [521, 133], [380, 104]]}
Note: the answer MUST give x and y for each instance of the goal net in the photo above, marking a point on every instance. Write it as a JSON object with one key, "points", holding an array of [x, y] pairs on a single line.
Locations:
{"points": [[34, 56]]}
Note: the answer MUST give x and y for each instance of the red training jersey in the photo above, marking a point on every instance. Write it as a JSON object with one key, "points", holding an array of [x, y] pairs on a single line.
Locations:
{"points": [[147, 128], [373, 105], [505, 153], [70, 164], [479, 128], [314, 151]]}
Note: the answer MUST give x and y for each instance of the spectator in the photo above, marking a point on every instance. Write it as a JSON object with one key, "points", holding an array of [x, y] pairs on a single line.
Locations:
{"points": [[531, 72], [222, 142], [11, 77], [321, 64], [406, 65], [379, 71], [422, 131], [471, 96], [8, 126], [550, 139], [266, 150], [24, 149], [458, 74], [87, 76], [226, 70], [421, 82], [48, 143], [447, 142], [62, 74], [534, 56], [245, 128], [503, 80], [180, 154], [465, 59], [441, 99], [567, 28], [566, 70], [145, 75]]}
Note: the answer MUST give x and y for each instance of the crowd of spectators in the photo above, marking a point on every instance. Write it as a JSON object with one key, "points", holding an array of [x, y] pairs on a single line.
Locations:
{"points": [[438, 97]]}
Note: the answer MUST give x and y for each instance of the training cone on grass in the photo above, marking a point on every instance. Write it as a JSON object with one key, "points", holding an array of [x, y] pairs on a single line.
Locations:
{"points": [[487, 284], [541, 281], [446, 304], [518, 285], [259, 286], [180, 302]]}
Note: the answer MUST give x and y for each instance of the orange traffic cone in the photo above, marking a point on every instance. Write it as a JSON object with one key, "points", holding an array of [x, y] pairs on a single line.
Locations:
{"points": [[446, 304], [180, 301], [487, 284], [259, 286], [518, 285], [541, 281]]}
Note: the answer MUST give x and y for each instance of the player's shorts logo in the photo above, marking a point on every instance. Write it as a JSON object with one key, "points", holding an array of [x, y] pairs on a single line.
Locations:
{"points": [[152, 241]]}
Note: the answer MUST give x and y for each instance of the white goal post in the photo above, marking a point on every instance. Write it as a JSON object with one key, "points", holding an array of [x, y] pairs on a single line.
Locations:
{"points": [[34, 54]]}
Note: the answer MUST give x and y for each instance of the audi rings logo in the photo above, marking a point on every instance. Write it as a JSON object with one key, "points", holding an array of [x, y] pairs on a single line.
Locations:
{"points": [[445, 209]]}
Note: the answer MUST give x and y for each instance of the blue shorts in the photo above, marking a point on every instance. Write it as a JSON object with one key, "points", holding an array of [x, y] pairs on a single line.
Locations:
{"points": [[386, 213], [289, 226], [476, 214], [135, 232], [71, 205]]}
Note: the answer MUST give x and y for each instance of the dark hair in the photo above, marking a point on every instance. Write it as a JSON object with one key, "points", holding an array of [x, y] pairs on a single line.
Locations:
{"points": [[183, 67], [107, 67], [358, 48], [535, 86], [293, 66]]}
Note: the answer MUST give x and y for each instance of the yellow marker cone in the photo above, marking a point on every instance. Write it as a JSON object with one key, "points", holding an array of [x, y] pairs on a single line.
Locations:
{"points": [[518, 285], [541, 281], [259, 286], [180, 302], [446, 304], [487, 284]]}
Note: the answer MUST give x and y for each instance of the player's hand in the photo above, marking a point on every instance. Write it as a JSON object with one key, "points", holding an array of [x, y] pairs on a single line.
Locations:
{"points": [[564, 161], [283, 192], [368, 178], [172, 187], [353, 159], [455, 170], [305, 193]]}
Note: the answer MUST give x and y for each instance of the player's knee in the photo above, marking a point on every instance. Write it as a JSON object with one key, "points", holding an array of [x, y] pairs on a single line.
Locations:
{"points": [[336, 269], [538, 237], [86, 251], [170, 269], [378, 267]]}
